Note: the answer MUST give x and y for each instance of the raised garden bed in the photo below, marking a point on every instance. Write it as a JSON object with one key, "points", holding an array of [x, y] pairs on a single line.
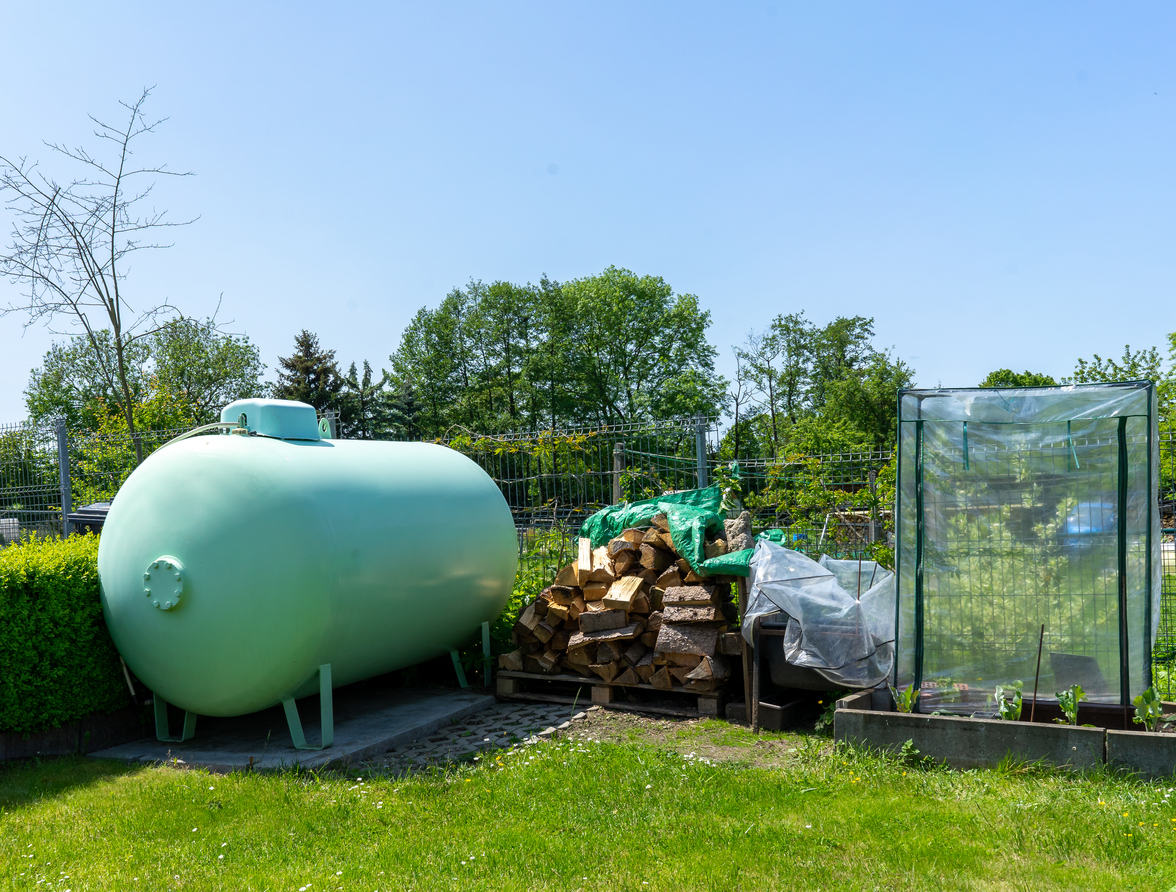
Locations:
{"points": [[869, 719]]}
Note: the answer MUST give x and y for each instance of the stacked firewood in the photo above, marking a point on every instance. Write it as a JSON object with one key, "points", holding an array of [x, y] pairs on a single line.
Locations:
{"points": [[633, 612]]}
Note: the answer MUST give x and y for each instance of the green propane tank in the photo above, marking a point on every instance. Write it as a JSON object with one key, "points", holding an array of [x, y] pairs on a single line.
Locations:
{"points": [[234, 566]]}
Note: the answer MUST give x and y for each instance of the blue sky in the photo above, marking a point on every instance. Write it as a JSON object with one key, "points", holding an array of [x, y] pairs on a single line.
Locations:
{"points": [[992, 183]]}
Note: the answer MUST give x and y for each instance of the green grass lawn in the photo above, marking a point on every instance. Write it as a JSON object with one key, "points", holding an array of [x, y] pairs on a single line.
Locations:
{"points": [[578, 814]]}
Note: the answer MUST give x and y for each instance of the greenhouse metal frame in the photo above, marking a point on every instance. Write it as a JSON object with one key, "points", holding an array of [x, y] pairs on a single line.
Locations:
{"points": [[1027, 524]]}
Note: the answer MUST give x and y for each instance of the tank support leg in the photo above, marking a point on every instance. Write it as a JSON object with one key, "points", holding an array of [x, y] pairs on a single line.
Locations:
{"points": [[326, 710], [163, 727], [486, 655], [461, 679]]}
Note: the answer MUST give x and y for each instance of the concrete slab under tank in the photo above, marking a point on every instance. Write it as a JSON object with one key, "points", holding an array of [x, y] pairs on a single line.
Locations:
{"points": [[368, 722]]}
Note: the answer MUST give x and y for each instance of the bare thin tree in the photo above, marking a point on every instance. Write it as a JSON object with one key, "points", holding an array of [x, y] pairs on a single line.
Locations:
{"points": [[70, 244]]}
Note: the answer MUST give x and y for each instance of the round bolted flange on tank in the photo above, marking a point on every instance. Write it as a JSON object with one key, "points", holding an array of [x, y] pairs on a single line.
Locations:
{"points": [[163, 582]]}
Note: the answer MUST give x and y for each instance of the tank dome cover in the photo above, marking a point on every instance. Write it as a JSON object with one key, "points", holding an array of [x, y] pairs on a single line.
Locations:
{"points": [[284, 419]]}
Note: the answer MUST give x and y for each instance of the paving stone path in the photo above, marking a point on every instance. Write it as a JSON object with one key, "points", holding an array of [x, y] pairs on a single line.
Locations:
{"points": [[503, 726]]}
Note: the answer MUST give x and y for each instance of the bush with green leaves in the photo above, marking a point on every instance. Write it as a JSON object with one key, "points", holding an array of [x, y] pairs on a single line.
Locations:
{"points": [[57, 661]]}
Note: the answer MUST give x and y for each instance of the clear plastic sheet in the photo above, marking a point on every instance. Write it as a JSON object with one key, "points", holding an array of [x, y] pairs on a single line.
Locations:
{"points": [[846, 637], [1008, 520]]}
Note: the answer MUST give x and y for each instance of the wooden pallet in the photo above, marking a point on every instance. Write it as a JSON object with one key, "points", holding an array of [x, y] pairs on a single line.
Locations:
{"points": [[630, 698]]}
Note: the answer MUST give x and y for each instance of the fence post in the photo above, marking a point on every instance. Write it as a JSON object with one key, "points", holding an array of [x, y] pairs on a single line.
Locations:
{"points": [[63, 475], [700, 451], [873, 506], [618, 468]]}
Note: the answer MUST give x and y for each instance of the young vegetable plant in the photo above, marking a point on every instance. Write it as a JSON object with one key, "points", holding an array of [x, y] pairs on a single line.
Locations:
{"points": [[1149, 711], [904, 701], [1009, 710], [1069, 701]]}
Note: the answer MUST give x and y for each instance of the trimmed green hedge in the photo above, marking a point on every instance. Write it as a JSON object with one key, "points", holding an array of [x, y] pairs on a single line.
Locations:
{"points": [[57, 662]]}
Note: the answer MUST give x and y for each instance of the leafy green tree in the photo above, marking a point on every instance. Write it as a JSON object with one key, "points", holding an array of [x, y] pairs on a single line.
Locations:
{"points": [[632, 339], [825, 386], [364, 408], [199, 369], [204, 367], [74, 383], [310, 375], [864, 398], [1009, 378], [606, 348], [1135, 365]]}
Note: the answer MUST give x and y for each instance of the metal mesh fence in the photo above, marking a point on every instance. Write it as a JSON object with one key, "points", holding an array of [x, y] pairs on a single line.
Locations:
{"points": [[99, 463], [839, 505], [30, 486]]}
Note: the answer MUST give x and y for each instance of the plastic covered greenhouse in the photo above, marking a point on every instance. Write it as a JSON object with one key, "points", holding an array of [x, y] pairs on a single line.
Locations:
{"points": [[1019, 509]]}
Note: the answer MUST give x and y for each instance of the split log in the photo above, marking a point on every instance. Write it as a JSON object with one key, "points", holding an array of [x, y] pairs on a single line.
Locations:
{"points": [[654, 622], [640, 605], [582, 656], [649, 639], [548, 661], [633, 535], [710, 669], [624, 561], [609, 652], [714, 549], [601, 559], [679, 673], [560, 594], [576, 607], [655, 558], [579, 639], [623, 592], [603, 620], [675, 614], [628, 677], [687, 661], [567, 576], [635, 653], [543, 632], [607, 671], [620, 545], [687, 639], [559, 611], [530, 616], [661, 522], [669, 578], [596, 606], [731, 644], [584, 559], [689, 596], [738, 532], [595, 591], [648, 576], [662, 679], [559, 641], [652, 537], [645, 673], [512, 661]]}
